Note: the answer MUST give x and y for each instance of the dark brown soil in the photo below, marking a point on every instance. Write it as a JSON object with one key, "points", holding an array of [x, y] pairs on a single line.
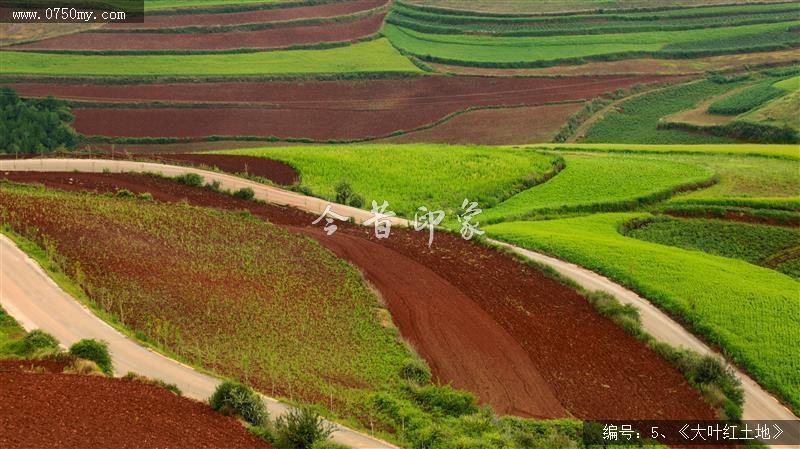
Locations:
{"points": [[267, 15], [279, 37], [67, 411], [24, 365], [591, 366], [317, 110]]}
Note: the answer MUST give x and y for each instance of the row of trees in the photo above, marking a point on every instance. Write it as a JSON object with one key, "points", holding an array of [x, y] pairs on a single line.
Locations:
{"points": [[30, 126]]}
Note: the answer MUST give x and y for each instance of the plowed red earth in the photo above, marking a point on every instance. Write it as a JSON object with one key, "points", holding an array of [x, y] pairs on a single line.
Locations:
{"points": [[279, 37], [67, 411], [592, 368], [263, 16], [18, 365], [317, 110]]}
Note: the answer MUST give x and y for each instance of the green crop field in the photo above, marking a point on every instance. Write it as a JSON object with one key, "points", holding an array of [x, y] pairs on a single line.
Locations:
{"points": [[558, 6], [152, 5], [748, 310], [373, 56], [601, 182], [783, 151], [239, 289], [789, 84], [539, 51], [780, 112], [757, 244], [610, 22], [410, 176], [639, 117], [747, 99]]}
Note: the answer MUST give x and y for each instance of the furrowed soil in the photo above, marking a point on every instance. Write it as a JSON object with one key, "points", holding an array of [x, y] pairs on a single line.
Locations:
{"points": [[39, 410], [318, 110], [279, 37], [505, 126], [586, 365], [260, 16]]}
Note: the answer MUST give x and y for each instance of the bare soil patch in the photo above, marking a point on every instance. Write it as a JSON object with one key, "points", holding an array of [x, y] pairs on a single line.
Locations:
{"points": [[73, 411], [506, 126], [279, 37], [261, 16], [593, 369], [317, 110]]}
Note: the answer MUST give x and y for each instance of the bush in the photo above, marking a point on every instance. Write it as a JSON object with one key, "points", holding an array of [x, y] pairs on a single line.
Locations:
{"points": [[124, 193], [38, 339], [233, 398], [157, 382], [416, 371], [343, 191], [245, 193], [190, 179], [146, 196], [301, 429], [356, 200], [445, 400], [95, 351]]}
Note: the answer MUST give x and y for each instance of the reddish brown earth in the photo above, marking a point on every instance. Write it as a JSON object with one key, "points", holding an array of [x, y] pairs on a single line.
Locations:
{"points": [[592, 367], [276, 171], [71, 411], [19, 365], [317, 110], [506, 126], [279, 37], [261, 16]]}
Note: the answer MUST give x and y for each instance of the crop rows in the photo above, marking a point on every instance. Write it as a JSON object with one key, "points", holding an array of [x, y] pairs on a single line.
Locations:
{"points": [[751, 312], [231, 293], [745, 100], [752, 243]]}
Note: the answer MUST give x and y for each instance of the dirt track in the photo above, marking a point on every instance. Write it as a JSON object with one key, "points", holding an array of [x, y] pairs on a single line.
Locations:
{"points": [[259, 16], [71, 411], [449, 300], [269, 38], [317, 110]]}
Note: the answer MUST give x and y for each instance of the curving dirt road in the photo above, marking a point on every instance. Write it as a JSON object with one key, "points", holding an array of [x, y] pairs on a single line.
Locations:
{"points": [[759, 404]]}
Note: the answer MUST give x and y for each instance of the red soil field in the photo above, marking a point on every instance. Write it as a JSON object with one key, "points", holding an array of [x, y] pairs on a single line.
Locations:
{"points": [[279, 37], [591, 366], [261, 16], [506, 126], [73, 411], [317, 110], [43, 365]]}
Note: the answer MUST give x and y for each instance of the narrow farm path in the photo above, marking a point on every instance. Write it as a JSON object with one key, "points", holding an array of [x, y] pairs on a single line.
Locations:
{"points": [[759, 405]]}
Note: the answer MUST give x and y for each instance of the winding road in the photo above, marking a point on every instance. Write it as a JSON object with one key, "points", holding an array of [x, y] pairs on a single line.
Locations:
{"points": [[36, 302]]}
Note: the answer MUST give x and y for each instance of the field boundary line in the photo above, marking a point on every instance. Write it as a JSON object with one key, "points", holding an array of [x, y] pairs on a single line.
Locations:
{"points": [[759, 404]]}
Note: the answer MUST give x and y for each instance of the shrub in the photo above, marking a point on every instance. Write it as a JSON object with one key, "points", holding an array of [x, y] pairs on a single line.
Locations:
{"points": [[95, 351], [38, 339], [84, 368], [157, 382], [356, 200], [245, 193], [416, 371], [190, 179], [343, 191], [444, 400], [300, 429], [214, 186], [146, 196], [233, 398], [125, 193]]}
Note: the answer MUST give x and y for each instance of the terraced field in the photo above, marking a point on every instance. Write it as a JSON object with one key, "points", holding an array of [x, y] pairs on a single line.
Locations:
{"points": [[318, 110], [748, 310], [410, 176], [375, 56], [552, 45], [597, 183]]}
